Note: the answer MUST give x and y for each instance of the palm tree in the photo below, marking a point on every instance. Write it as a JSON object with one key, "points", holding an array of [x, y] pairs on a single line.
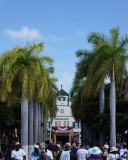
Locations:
{"points": [[25, 65], [110, 62], [41, 95], [76, 93]]}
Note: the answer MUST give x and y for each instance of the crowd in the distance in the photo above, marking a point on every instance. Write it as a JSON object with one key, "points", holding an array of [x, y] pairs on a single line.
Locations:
{"points": [[70, 152], [83, 152]]}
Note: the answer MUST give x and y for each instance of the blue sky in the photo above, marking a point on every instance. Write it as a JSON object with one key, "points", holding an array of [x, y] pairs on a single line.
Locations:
{"points": [[63, 26]]}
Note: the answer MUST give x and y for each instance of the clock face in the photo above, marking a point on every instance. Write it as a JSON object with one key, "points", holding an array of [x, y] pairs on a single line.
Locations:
{"points": [[62, 111]]}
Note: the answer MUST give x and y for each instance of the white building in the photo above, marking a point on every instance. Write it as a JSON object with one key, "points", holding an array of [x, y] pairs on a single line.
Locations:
{"points": [[64, 128]]}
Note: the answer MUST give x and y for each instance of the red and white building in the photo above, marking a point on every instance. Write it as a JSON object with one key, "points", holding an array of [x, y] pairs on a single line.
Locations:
{"points": [[64, 128]]}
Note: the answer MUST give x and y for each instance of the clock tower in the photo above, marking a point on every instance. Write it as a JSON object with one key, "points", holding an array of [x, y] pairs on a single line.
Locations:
{"points": [[63, 98], [63, 128]]}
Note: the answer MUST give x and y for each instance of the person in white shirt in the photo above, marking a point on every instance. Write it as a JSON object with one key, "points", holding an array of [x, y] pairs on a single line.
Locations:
{"points": [[49, 152], [113, 155], [123, 150], [82, 153], [18, 153]]}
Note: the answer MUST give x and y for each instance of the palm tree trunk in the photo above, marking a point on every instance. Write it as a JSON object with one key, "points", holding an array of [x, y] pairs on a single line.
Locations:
{"points": [[101, 108], [39, 124], [42, 125], [36, 122], [30, 128], [102, 98], [24, 124], [45, 129], [112, 113]]}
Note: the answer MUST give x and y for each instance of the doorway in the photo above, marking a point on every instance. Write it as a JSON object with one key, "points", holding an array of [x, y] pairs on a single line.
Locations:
{"points": [[62, 139]]}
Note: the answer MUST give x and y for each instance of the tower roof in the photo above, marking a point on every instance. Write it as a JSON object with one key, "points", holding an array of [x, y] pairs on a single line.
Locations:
{"points": [[62, 92]]}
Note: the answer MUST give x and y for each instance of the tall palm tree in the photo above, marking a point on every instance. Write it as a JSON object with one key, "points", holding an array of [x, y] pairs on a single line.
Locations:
{"points": [[110, 62], [40, 98], [25, 65], [76, 93]]}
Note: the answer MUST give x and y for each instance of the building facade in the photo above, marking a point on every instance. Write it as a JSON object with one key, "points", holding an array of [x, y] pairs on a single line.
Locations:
{"points": [[64, 128]]}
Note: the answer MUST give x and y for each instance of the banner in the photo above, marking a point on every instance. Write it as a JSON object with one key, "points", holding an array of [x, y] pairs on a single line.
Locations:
{"points": [[62, 129]]}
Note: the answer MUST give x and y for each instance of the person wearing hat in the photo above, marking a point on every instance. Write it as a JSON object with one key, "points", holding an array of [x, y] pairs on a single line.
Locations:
{"points": [[105, 151], [95, 154], [35, 154], [66, 153], [113, 155], [106, 147], [18, 153], [40, 147]]}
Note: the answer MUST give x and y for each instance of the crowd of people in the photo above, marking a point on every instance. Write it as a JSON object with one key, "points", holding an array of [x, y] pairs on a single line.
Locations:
{"points": [[70, 152]]}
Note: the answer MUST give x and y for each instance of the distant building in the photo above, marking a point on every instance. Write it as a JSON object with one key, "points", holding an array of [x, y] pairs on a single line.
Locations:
{"points": [[64, 128]]}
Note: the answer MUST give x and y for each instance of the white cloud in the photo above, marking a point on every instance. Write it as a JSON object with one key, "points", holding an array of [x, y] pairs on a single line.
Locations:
{"points": [[31, 34], [24, 33]]}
